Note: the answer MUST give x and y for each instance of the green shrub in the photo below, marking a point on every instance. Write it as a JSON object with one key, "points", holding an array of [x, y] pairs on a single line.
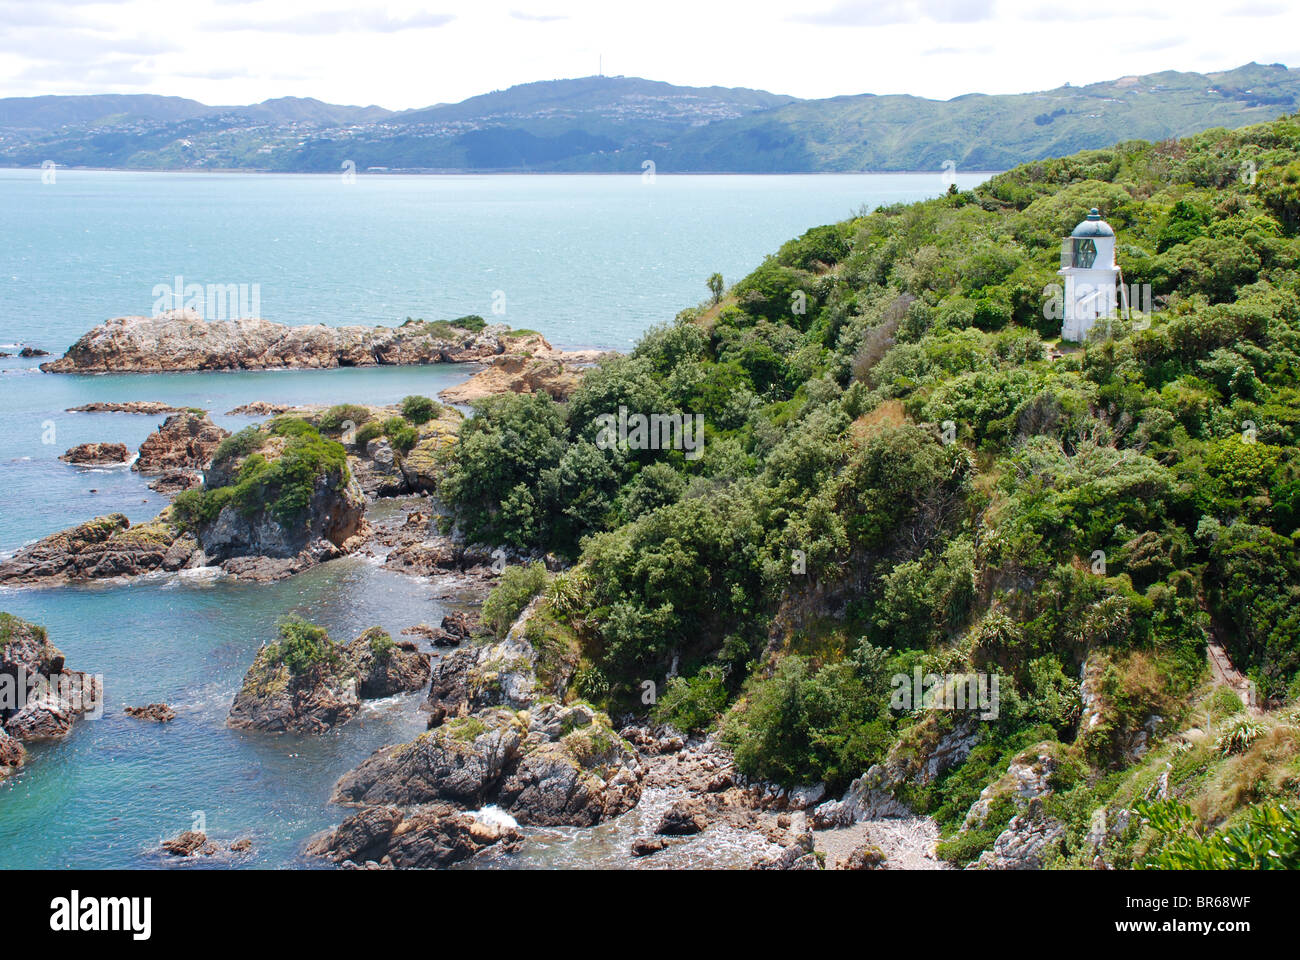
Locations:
{"points": [[419, 409], [401, 434], [693, 704], [1267, 838], [802, 726], [303, 647], [284, 486], [381, 643], [369, 431], [518, 585], [246, 441], [333, 419]]}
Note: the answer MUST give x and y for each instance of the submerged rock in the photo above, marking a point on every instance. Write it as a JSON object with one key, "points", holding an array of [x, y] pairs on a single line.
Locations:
{"points": [[188, 844], [154, 712]]}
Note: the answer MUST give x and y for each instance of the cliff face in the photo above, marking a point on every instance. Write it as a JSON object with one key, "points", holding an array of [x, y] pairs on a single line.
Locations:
{"points": [[333, 515], [182, 341]]}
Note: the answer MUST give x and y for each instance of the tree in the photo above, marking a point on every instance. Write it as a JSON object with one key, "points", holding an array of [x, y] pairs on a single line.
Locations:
{"points": [[716, 287]]}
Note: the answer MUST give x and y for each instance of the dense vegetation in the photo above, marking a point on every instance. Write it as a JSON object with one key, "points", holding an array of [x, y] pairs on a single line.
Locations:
{"points": [[283, 484], [904, 469]]}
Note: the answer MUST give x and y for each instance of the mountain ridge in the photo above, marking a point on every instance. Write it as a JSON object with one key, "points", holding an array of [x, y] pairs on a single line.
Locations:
{"points": [[613, 124]]}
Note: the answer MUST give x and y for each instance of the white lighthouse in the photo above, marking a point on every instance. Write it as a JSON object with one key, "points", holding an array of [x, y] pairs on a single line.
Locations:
{"points": [[1092, 279]]}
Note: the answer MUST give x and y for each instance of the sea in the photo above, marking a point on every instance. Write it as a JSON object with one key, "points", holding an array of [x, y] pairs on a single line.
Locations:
{"points": [[589, 261]]}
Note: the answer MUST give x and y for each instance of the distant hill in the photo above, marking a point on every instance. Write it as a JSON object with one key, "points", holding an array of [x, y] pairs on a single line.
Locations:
{"points": [[613, 124], [982, 132]]}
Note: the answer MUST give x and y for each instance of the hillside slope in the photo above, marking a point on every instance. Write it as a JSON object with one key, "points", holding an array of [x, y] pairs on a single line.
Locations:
{"points": [[903, 475]]}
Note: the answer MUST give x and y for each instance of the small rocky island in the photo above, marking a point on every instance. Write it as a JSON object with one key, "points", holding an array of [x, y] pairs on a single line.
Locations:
{"points": [[42, 698], [182, 340], [275, 499], [305, 683]]}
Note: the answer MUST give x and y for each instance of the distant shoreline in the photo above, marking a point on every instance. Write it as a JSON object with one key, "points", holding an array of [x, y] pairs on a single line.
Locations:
{"points": [[519, 173]]}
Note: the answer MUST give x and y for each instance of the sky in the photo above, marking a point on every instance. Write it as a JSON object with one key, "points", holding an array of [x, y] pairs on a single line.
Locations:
{"points": [[413, 53]]}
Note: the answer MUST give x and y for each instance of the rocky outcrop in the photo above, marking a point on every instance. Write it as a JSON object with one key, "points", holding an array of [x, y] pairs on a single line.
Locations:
{"points": [[554, 766], [276, 699], [867, 798], [683, 818], [176, 481], [1105, 731], [473, 678], [195, 843], [151, 407], [40, 699], [97, 454], [1028, 778], [269, 524], [461, 761], [799, 855], [101, 548], [188, 844], [385, 666], [285, 691], [182, 340], [384, 471], [12, 754], [1026, 844], [456, 628], [185, 441], [259, 408], [556, 374], [867, 856], [241, 542], [153, 712], [33, 352], [494, 741], [423, 838]]}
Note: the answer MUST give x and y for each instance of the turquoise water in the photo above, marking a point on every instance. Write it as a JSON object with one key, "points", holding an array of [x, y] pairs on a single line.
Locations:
{"points": [[588, 261]]}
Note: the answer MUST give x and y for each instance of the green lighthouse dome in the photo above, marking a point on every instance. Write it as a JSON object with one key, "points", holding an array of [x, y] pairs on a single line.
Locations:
{"points": [[1093, 226]]}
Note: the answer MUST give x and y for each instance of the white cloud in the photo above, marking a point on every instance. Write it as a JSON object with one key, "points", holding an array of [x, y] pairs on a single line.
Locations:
{"points": [[411, 53]]}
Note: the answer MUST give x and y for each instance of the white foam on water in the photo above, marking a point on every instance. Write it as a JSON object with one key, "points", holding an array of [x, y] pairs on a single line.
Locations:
{"points": [[494, 816]]}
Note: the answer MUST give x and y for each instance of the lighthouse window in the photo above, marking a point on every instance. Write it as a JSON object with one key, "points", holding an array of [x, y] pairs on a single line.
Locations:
{"points": [[1085, 253]]}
